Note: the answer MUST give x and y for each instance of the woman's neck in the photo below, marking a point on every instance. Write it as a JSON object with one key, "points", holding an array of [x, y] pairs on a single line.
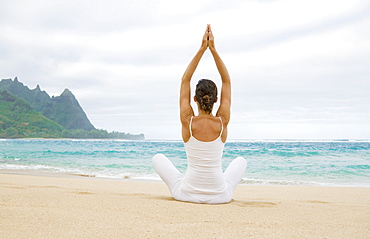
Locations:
{"points": [[203, 113]]}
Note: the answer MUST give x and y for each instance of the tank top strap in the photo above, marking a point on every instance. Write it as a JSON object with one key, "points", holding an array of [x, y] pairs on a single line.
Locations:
{"points": [[191, 121], [222, 126]]}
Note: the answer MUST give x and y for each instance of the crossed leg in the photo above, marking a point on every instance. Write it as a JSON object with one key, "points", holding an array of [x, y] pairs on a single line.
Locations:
{"points": [[168, 173], [234, 173], [173, 178]]}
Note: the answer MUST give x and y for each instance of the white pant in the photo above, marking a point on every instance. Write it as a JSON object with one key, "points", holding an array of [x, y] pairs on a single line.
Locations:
{"points": [[173, 178]]}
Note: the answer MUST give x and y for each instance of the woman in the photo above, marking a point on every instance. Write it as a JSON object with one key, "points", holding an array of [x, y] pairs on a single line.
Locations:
{"points": [[204, 137]]}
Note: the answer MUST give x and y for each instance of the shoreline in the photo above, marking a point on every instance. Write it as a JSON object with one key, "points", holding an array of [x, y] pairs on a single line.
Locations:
{"points": [[265, 182], [69, 207], [71, 175]]}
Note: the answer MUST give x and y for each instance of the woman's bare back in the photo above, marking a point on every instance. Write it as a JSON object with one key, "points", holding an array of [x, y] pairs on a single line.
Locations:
{"points": [[206, 128]]}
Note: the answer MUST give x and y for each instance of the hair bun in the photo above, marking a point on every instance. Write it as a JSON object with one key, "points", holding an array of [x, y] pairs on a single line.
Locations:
{"points": [[206, 94], [206, 99]]}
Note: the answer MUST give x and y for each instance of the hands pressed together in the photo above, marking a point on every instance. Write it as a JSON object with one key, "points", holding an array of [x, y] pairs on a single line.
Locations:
{"points": [[208, 39]]}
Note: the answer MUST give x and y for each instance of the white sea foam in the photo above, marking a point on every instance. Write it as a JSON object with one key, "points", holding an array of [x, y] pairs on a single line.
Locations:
{"points": [[272, 182], [40, 168], [254, 181]]}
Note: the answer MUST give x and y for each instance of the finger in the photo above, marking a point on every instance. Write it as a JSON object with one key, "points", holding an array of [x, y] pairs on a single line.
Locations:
{"points": [[210, 35], [205, 35]]}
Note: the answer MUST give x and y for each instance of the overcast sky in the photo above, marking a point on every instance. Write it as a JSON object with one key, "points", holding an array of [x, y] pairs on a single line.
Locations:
{"points": [[299, 69]]}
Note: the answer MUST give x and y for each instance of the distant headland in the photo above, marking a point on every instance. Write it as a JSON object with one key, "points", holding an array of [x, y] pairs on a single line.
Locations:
{"points": [[26, 113]]}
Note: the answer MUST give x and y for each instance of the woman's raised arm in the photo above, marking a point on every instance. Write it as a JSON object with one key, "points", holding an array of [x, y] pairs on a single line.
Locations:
{"points": [[225, 101], [186, 111]]}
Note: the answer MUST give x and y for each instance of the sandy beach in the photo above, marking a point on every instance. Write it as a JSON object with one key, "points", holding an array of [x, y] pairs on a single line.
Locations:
{"points": [[47, 206]]}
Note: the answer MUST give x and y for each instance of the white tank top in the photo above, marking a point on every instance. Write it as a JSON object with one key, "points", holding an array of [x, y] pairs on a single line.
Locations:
{"points": [[204, 177]]}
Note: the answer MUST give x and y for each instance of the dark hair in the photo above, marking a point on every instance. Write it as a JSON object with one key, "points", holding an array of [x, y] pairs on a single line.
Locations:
{"points": [[206, 94]]}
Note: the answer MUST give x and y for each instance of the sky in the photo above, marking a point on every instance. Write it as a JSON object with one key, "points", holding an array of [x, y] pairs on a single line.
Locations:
{"points": [[299, 69]]}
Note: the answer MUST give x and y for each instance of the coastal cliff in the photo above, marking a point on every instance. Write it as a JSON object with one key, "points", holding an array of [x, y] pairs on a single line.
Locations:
{"points": [[64, 109], [32, 113]]}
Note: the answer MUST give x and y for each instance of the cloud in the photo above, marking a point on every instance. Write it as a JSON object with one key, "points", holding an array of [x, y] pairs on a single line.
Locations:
{"points": [[302, 64], [78, 16]]}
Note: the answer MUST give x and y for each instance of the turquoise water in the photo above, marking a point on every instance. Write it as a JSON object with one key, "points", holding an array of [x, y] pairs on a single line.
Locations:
{"points": [[270, 162]]}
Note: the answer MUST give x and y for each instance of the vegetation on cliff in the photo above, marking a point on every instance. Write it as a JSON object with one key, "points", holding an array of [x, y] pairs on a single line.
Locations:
{"points": [[56, 117], [19, 119], [63, 109]]}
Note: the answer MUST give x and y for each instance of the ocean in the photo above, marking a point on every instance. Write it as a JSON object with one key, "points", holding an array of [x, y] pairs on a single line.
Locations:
{"points": [[270, 162]]}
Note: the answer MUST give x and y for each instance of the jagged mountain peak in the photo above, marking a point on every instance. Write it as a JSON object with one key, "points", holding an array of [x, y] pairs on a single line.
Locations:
{"points": [[63, 109], [67, 92]]}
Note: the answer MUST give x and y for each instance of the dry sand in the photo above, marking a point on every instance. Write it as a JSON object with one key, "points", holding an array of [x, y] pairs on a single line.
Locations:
{"points": [[75, 207]]}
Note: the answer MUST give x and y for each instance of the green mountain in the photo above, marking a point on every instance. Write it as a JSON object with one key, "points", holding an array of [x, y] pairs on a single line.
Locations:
{"points": [[26, 113], [19, 119], [63, 109]]}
